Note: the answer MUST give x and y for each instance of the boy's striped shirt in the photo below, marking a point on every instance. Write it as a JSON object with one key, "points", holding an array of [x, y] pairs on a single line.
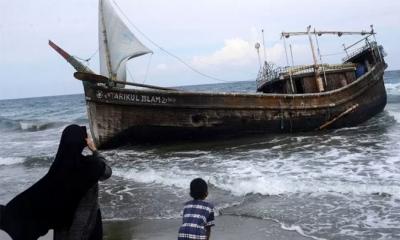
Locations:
{"points": [[197, 214]]}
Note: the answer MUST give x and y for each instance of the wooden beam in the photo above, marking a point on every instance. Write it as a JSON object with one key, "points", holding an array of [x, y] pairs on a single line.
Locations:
{"points": [[77, 65], [319, 33], [94, 78], [327, 124]]}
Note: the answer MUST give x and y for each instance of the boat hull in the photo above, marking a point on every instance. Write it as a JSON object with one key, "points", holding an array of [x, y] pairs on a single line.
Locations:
{"points": [[120, 116]]}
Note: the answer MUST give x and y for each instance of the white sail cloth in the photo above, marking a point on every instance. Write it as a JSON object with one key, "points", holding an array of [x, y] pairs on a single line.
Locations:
{"points": [[117, 44]]}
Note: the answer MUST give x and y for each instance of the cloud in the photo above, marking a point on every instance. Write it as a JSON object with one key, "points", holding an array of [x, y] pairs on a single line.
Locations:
{"points": [[238, 52], [235, 51]]}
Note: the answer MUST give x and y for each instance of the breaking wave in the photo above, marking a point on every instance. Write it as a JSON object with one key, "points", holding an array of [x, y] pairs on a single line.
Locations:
{"points": [[11, 160], [28, 161], [393, 88], [253, 183], [27, 125], [8, 124], [395, 115], [168, 178], [35, 126]]}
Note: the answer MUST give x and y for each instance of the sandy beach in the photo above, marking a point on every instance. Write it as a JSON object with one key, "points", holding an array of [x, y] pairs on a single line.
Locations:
{"points": [[227, 228]]}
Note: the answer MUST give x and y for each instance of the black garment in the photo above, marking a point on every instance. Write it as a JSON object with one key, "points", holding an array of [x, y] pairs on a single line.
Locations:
{"points": [[51, 202], [86, 224]]}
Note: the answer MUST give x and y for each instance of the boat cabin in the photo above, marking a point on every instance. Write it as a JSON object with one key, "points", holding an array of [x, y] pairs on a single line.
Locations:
{"points": [[319, 77]]}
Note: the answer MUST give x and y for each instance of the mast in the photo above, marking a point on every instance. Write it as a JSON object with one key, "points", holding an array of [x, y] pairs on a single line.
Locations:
{"points": [[318, 78], [257, 46], [107, 50], [265, 51], [312, 47]]}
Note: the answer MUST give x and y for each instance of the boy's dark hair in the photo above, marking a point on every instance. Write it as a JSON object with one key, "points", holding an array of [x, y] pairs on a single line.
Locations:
{"points": [[198, 189]]}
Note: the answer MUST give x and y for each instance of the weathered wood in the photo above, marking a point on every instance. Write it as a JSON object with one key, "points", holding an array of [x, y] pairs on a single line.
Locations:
{"points": [[327, 124], [320, 33], [139, 116], [94, 78], [70, 59]]}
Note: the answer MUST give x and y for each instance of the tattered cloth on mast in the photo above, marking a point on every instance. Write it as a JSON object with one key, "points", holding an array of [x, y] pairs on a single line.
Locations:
{"points": [[116, 42]]}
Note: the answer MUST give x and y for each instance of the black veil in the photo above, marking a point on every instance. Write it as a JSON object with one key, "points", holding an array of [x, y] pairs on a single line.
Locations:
{"points": [[51, 202], [69, 154]]}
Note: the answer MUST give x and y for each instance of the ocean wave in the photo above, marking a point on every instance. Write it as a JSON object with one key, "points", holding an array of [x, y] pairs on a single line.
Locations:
{"points": [[254, 182], [392, 76], [395, 115], [280, 186], [297, 229], [393, 88], [37, 126], [170, 177], [81, 120], [41, 161], [28, 161], [393, 98], [28, 125], [8, 124], [11, 160]]}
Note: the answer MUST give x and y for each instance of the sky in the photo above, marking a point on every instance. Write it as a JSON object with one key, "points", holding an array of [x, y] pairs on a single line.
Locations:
{"points": [[216, 37]]}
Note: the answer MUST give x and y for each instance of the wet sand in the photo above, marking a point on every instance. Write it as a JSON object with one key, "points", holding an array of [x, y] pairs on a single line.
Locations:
{"points": [[227, 228]]}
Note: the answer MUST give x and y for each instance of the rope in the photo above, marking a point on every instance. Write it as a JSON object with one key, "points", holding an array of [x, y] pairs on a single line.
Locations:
{"points": [[130, 74], [147, 71], [147, 68], [88, 59], [166, 51]]}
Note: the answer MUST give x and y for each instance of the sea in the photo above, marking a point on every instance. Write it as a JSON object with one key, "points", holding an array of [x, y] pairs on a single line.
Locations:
{"points": [[337, 184]]}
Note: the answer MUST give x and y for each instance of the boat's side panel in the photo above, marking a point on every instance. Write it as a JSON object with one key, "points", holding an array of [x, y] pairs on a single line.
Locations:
{"points": [[136, 116], [370, 103]]}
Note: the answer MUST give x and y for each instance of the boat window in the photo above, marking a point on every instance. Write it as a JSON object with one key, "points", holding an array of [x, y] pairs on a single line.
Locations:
{"points": [[299, 86]]}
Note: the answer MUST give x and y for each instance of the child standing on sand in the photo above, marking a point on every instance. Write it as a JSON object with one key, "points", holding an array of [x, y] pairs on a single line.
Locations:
{"points": [[198, 215]]}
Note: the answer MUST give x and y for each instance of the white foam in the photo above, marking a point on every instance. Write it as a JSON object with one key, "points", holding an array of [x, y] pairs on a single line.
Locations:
{"points": [[394, 114], [173, 177], [249, 179], [374, 219], [299, 230], [280, 185], [196, 152], [11, 160], [33, 126], [393, 88]]}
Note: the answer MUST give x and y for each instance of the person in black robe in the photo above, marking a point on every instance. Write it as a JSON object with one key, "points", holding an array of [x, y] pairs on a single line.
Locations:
{"points": [[53, 201]]}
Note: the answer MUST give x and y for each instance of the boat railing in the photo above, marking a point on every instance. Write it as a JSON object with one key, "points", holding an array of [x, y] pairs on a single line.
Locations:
{"points": [[359, 50], [268, 73]]}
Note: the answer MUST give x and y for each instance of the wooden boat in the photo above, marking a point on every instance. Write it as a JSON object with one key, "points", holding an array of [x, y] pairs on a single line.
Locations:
{"points": [[290, 99]]}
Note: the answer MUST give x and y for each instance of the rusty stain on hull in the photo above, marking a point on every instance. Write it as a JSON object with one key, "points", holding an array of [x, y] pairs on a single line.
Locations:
{"points": [[118, 116]]}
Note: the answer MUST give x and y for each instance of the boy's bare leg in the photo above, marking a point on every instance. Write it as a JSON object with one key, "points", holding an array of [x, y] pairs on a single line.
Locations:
{"points": [[208, 233]]}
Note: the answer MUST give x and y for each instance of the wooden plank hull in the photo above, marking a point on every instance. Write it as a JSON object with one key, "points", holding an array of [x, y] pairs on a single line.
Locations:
{"points": [[118, 116]]}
